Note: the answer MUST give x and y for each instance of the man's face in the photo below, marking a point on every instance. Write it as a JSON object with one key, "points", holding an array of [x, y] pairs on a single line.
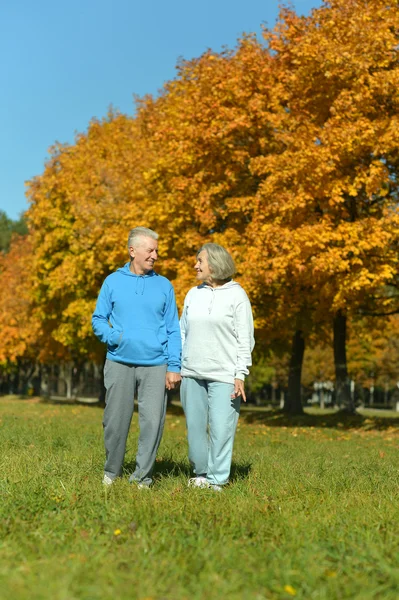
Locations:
{"points": [[144, 255]]}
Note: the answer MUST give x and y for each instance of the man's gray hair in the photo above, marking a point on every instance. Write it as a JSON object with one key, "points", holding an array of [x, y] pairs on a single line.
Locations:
{"points": [[140, 232], [221, 263]]}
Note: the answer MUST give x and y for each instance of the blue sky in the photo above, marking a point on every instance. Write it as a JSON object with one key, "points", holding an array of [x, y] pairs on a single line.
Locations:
{"points": [[62, 63]]}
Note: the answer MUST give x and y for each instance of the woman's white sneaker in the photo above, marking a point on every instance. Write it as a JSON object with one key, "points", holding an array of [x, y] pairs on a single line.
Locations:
{"points": [[199, 482], [215, 488]]}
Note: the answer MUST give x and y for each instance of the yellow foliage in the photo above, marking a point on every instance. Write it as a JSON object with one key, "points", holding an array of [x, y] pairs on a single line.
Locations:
{"points": [[286, 152]]}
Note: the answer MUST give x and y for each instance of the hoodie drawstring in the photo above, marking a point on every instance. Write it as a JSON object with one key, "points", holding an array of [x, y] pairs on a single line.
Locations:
{"points": [[212, 301], [140, 286]]}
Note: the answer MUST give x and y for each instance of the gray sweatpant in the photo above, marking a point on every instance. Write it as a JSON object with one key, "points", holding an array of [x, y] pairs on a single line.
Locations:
{"points": [[121, 381]]}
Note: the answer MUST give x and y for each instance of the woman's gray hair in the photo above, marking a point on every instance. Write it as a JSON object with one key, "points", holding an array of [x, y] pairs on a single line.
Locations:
{"points": [[140, 232], [221, 263]]}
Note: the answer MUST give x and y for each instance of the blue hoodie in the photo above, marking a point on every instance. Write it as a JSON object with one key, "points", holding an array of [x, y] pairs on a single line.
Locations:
{"points": [[136, 316]]}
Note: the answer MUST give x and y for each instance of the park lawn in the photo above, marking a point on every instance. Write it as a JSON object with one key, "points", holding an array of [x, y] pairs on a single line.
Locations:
{"points": [[312, 511]]}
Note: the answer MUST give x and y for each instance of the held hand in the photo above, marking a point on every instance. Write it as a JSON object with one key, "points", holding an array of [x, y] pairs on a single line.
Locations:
{"points": [[172, 380], [239, 389]]}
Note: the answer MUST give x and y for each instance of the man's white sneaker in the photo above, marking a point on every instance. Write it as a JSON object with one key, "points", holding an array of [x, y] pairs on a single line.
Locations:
{"points": [[107, 480], [199, 482], [140, 485]]}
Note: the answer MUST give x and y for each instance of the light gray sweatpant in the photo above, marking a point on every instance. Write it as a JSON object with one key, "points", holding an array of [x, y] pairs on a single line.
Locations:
{"points": [[121, 381]]}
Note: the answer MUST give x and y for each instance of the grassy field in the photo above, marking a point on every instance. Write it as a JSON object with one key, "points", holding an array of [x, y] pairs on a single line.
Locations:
{"points": [[312, 511]]}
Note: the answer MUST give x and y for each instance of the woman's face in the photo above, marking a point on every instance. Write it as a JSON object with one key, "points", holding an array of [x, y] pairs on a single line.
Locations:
{"points": [[202, 267]]}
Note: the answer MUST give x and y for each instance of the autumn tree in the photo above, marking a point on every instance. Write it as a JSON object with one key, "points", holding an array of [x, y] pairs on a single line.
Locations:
{"points": [[284, 151], [21, 330], [326, 214], [373, 352], [82, 206], [204, 129]]}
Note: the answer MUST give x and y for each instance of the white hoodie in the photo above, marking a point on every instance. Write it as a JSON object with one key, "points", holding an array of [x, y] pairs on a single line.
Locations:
{"points": [[217, 333]]}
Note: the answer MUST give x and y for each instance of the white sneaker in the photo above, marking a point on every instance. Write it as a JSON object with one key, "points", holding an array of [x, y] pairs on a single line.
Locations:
{"points": [[143, 486], [107, 480], [139, 484], [215, 488], [199, 482]]}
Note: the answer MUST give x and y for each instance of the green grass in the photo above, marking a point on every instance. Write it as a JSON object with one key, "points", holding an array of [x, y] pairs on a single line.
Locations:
{"points": [[312, 511]]}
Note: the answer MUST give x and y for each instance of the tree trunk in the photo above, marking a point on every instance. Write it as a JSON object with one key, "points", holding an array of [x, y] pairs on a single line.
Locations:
{"points": [[293, 403], [273, 399], [344, 398], [68, 373]]}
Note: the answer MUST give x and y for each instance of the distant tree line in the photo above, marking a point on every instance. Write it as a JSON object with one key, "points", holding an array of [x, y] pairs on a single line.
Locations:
{"points": [[8, 227]]}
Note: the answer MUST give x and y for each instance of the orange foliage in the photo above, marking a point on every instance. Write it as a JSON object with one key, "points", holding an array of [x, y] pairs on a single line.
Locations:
{"points": [[286, 152], [203, 131], [82, 207], [373, 351], [326, 215], [19, 328]]}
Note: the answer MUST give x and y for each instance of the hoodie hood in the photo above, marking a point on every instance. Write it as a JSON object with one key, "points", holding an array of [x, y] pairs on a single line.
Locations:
{"points": [[139, 287], [218, 290], [225, 286]]}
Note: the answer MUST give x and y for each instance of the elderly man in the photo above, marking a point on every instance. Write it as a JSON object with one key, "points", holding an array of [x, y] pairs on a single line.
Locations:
{"points": [[136, 316]]}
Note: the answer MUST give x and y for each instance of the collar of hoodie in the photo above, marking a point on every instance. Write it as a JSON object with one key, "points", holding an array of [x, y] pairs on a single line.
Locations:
{"points": [[213, 291], [139, 287]]}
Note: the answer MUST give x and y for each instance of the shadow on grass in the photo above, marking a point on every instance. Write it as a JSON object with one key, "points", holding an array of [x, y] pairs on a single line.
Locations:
{"points": [[310, 418], [53, 400], [64, 401], [165, 467], [272, 418], [175, 409], [333, 420], [239, 471]]}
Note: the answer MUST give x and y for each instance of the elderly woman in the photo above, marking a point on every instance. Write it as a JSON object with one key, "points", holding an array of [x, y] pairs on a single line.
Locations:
{"points": [[217, 335]]}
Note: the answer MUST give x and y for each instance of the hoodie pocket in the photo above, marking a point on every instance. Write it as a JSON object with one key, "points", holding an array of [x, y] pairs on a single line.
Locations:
{"points": [[114, 339], [140, 344]]}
